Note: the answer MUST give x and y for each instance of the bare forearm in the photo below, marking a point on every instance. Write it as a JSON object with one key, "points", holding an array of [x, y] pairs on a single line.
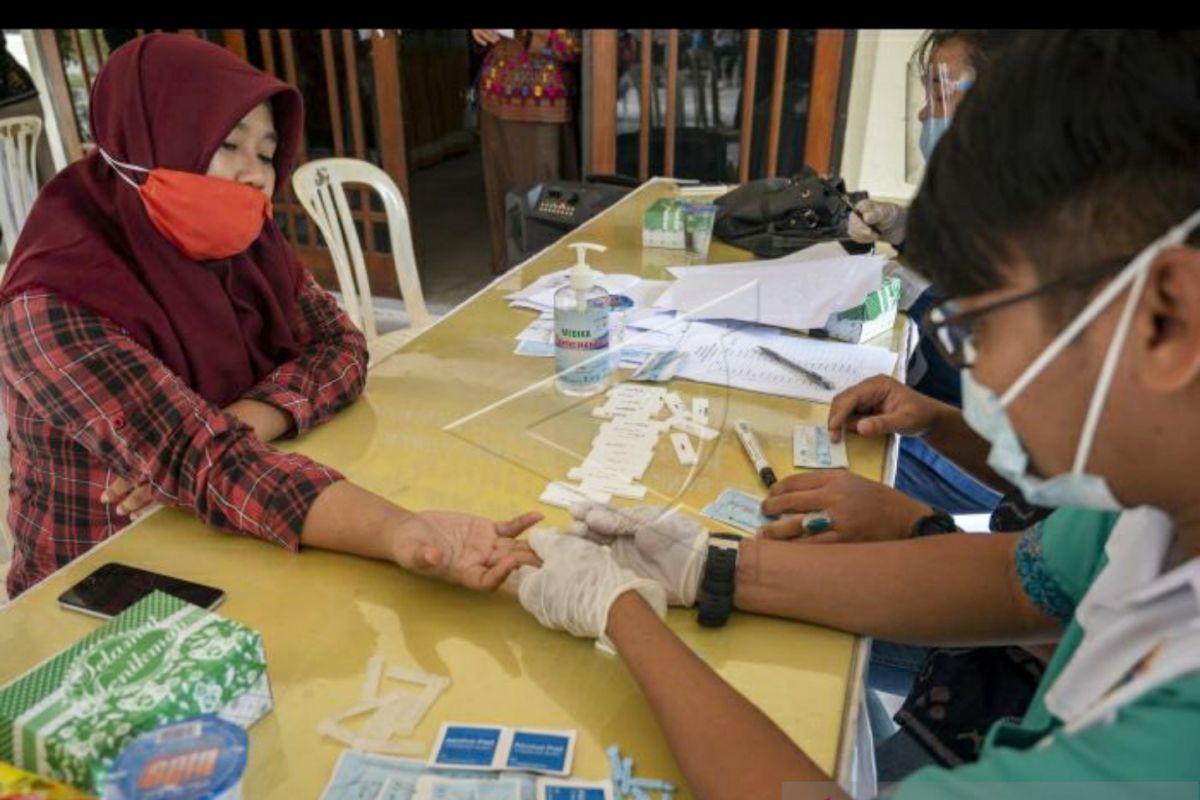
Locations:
{"points": [[952, 589], [349, 519], [268, 422], [957, 441], [712, 730]]}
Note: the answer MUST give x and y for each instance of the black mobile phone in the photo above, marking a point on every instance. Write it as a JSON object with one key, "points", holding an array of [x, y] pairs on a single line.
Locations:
{"points": [[115, 587]]}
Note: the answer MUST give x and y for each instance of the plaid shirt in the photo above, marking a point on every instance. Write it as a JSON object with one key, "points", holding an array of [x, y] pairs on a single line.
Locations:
{"points": [[86, 403]]}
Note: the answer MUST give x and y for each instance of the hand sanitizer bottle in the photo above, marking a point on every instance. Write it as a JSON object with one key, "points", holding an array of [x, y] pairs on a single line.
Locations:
{"points": [[581, 359]]}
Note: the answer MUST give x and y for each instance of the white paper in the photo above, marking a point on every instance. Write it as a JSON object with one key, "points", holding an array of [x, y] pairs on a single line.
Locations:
{"points": [[727, 355], [793, 294]]}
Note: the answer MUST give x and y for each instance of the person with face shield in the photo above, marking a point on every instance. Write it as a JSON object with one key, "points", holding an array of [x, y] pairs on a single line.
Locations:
{"points": [[945, 65], [1071, 181], [157, 331]]}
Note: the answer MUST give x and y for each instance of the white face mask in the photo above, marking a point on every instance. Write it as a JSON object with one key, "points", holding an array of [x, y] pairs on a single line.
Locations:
{"points": [[984, 412]]}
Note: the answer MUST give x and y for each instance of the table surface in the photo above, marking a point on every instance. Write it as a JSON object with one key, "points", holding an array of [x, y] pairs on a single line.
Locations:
{"points": [[455, 420]]}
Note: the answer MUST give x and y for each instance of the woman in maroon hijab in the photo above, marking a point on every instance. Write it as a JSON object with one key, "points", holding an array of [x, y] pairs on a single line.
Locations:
{"points": [[156, 330]]}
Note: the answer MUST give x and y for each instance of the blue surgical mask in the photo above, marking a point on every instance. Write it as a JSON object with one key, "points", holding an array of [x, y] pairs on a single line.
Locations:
{"points": [[985, 412], [932, 129]]}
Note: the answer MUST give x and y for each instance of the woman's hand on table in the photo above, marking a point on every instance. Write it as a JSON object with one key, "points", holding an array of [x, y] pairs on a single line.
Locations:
{"points": [[131, 501], [858, 509], [462, 548]]}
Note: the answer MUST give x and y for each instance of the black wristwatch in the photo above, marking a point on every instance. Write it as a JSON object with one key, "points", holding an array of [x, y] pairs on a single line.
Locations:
{"points": [[716, 587], [937, 522]]}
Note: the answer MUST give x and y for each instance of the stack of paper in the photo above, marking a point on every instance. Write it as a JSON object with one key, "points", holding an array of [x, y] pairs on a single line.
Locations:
{"points": [[719, 316], [800, 295]]}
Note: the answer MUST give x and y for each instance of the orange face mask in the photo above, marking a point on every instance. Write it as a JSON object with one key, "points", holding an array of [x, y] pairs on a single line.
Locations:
{"points": [[206, 218]]}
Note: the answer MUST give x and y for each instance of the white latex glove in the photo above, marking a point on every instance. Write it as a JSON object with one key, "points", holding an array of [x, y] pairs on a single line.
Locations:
{"points": [[888, 220], [654, 542], [577, 584]]}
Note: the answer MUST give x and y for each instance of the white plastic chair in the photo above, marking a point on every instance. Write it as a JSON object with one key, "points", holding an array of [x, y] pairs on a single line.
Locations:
{"points": [[320, 186], [18, 174]]}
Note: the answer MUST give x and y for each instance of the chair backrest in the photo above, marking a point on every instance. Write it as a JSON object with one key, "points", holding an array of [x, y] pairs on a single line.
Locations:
{"points": [[18, 173], [321, 187]]}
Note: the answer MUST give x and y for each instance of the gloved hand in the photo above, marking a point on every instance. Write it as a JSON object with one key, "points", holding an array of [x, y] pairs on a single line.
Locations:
{"points": [[656, 543], [577, 584], [888, 220]]}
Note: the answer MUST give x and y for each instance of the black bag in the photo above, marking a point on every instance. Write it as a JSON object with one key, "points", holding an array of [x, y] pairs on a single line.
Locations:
{"points": [[776, 216]]}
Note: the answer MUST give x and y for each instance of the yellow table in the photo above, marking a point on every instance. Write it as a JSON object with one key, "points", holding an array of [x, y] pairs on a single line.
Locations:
{"points": [[454, 420]]}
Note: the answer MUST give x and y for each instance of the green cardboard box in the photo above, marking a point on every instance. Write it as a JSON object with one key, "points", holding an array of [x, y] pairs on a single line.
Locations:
{"points": [[876, 315], [664, 225], [162, 660]]}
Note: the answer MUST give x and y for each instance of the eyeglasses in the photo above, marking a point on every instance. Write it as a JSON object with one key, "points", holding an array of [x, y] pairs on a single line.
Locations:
{"points": [[952, 330]]}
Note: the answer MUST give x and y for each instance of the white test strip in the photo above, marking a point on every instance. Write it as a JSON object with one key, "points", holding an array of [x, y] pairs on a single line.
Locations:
{"points": [[636, 390], [630, 491], [687, 426], [629, 446], [564, 495], [630, 425], [632, 408], [370, 689], [676, 405], [629, 433], [624, 412], [621, 458], [582, 474], [599, 461], [700, 410], [631, 428], [683, 448]]}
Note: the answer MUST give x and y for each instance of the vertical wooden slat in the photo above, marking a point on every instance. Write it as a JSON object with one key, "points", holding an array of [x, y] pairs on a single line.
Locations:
{"points": [[82, 57], [349, 50], [350, 55], [781, 50], [268, 51], [96, 46], [331, 86], [287, 202], [188, 32], [603, 67], [644, 102], [672, 97], [60, 93], [385, 61], [823, 97], [235, 42], [749, 78], [287, 48]]}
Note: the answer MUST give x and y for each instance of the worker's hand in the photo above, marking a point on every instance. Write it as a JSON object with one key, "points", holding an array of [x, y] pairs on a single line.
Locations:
{"points": [[887, 220], [577, 584], [653, 542], [462, 548], [857, 509], [131, 501], [882, 405], [485, 36]]}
